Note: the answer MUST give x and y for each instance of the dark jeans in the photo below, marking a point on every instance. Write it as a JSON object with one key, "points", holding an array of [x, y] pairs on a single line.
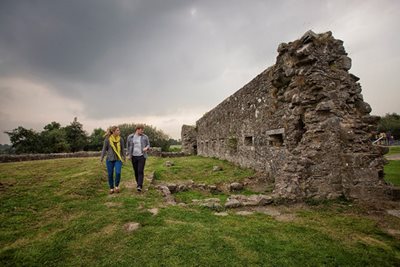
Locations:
{"points": [[138, 168], [117, 164]]}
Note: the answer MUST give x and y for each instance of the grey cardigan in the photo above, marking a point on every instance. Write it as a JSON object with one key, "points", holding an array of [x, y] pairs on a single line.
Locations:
{"points": [[144, 139], [111, 155]]}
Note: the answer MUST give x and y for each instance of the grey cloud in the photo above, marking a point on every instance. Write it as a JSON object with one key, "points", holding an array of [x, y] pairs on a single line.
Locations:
{"points": [[150, 57]]}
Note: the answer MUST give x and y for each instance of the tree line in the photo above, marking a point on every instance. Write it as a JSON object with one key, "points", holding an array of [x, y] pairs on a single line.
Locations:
{"points": [[390, 123], [72, 138]]}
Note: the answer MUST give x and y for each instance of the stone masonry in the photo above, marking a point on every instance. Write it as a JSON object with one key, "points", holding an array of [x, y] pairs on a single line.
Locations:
{"points": [[302, 121]]}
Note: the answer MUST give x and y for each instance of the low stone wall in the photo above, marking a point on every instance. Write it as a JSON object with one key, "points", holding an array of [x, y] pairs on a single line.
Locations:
{"points": [[167, 154], [27, 157], [82, 154]]}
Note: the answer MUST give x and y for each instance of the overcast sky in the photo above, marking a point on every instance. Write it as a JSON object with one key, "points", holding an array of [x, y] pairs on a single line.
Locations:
{"points": [[166, 63]]}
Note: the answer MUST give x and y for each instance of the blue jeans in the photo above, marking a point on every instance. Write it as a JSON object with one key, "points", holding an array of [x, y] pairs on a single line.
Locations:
{"points": [[110, 169]]}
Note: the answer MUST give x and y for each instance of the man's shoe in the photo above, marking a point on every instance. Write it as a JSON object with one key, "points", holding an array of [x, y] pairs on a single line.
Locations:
{"points": [[111, 191], [139, 189], [117, 189]]}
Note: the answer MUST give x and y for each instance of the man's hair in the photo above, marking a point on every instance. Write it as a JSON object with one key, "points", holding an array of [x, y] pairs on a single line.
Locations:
{"points": [[139, 126]]}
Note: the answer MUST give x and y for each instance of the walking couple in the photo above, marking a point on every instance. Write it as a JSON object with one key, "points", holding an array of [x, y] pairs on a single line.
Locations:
{"points": [[137, 145]]}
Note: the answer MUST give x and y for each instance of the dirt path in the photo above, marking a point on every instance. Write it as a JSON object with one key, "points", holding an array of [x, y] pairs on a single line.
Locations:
{"points": [[393, 157]]}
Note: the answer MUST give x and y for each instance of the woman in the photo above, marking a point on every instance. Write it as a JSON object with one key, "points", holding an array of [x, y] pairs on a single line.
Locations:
{"points": [[114, 147]]}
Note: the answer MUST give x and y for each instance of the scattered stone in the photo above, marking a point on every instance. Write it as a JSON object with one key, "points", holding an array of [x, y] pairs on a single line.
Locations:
{"points": [[172, 188], [265, 200], [393, 232], [212, 203], [151, 178], [200, 186], [182, 187], [267, 211], [221, 214], [153, 211], [169, 199], [232, 203], [235, 186], [217, 168], [244, 213], [246, 201], [213, 189], [169, 163], [131, 226], [394, 213], [285, 217]]}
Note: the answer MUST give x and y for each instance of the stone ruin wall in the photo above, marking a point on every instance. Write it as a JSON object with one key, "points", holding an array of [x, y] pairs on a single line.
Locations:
{"points": [[302, 121]]}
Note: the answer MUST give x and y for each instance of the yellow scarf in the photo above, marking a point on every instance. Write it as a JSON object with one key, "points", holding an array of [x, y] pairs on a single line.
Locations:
{"points": [[117, 149]]}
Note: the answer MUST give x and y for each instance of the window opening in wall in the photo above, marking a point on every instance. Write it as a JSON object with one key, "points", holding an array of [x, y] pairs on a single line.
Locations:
{"points": [[248, 140], [213, 144], [275, 140]]}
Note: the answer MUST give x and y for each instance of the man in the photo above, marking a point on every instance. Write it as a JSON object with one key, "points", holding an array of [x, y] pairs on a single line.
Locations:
{"points": [[137, 146]]}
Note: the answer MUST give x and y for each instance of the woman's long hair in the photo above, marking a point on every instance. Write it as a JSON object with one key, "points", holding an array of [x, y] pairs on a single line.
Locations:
{"points": [[110, 131]]}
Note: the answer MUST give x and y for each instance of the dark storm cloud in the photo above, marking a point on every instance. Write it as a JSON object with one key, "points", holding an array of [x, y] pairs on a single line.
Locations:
{"points": [[161, 57], [166, 52]]}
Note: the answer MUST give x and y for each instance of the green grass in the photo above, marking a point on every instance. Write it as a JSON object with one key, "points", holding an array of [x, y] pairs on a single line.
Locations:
{"points": [[393, 150], [59, 213], [175, 148], [392, 172], [199, 170]]}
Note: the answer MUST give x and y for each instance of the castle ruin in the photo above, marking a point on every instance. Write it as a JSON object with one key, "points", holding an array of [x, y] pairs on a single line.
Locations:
{"points": [[302, 122]]}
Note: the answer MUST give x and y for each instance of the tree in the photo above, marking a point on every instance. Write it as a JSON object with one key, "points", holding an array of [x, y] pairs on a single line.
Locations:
{"points": [[52, 126], [5, 149], [390, 123], [157, 137], [24, 140], [53, 139], [76, 136], [96, 140], [174, 141]]}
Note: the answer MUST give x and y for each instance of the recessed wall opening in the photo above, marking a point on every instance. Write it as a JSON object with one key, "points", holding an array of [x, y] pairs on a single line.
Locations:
{"points": [[275, 140], [248, 140], [232, 144]]}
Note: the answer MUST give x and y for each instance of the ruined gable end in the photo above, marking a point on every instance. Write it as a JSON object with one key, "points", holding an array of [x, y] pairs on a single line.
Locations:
{"points": [[303, 122]]}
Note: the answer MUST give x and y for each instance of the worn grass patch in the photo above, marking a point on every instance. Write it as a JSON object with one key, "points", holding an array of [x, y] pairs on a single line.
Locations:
{"points": [[59, 213]]}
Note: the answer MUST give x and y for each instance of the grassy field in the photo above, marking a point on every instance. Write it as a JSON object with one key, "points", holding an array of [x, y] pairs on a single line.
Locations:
{"points": [[59, 213], [392, 172], [393, 150]]}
